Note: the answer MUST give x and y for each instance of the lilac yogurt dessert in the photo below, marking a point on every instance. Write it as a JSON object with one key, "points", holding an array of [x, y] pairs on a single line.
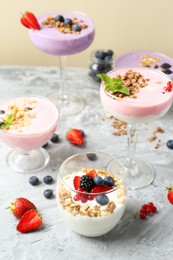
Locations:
{"points": [[63, 33]]}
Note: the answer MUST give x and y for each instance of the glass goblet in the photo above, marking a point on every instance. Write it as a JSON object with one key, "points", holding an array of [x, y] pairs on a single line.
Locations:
{"points": [[151, 100], [26, 124], [63, 34]]}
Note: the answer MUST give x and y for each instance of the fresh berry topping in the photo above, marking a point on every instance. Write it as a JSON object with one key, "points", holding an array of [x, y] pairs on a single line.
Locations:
{"points": [[45, 145], [169, 86], [92, 156], [84, 198], [167, 71], [76, 182], [98, 180], [48, 179], [54, 138], [74, 136], [29, 20], [90, 197], [33, 180], [109, 181], [102, 199], [170, 144], [48, 193], [59, 18], [92, 173], [68, 21], [77, 197], [170, 194], [30, 220], [20, 205], [99, 189], [2, 112], [165, 65], [87, 183], [76, 28]]}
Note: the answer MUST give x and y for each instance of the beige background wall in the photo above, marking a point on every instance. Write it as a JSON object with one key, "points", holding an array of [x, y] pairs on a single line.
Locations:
{"points": [[121, 25]]}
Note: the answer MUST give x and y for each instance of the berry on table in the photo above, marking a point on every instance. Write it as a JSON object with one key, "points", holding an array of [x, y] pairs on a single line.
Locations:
{"points": [[102, 199], [170, 144], [74, 136], [48, 179], [33, 180], [92, 156], [147, 209], [48, 193], [170, 194], [142, 215], [54, 138]]}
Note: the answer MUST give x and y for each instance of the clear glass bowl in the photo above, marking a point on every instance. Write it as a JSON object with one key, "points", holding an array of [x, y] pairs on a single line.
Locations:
{"points": [[82, 211]]}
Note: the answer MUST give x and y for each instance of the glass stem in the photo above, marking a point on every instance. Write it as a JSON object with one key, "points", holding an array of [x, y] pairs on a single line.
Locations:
{"points": [[132, 132], [62, 91]]}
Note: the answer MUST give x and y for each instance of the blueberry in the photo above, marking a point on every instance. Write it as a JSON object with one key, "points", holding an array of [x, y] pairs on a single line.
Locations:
{"points": [[48, 193], [33, 180], [76, 28], [102, 199], [109, 53], [98, 180], [82, 132], [54, 138], [68, 21], [170, 144], [165, 66], [48, 179], [59, 18], [100, 55], [2, 112], [92, 156], [167, 71], [45, 145], [109, 181]]}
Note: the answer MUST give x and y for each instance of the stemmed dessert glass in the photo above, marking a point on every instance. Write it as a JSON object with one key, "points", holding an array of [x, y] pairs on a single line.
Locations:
{"points": [[27, 131], [149, 102], [63, 34]]}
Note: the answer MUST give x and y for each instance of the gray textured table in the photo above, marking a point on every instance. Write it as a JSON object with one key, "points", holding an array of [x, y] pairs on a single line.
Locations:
{"points": [[132, 238]]}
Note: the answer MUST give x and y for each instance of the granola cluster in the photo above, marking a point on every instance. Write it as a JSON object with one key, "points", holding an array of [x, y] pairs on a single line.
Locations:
{"points": [[75, 208], [22, 114], [65, 28], [148, 60], [133, 81]]}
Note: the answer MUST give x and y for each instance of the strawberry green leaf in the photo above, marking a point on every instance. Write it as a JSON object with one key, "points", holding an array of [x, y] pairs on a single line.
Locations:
{"points": [[113, 85]]}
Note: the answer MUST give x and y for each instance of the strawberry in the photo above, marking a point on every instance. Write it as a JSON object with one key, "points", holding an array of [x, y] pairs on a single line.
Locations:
{"points": [[29, 20], [74, 136], [30, 220], [170, 194], [20, 205], [92, 173], [99, 189], [76, 182]]}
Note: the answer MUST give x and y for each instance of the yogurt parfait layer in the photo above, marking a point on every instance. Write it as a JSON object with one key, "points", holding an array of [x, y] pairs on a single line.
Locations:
{"points": [[146, 94], [92, 201], [63, 33], [27, 122]]}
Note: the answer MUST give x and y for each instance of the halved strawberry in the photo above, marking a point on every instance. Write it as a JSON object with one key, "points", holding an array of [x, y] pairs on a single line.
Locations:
{"points": [[76, 182], [29, 20], [30, 220], [99, 189], [20, 205], [74, 136], [92, 173]]}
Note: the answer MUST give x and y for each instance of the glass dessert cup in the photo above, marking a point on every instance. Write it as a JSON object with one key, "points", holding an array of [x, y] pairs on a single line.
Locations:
{"points": [[151, 103], [80, 209], [28, 132], [55, 42]]}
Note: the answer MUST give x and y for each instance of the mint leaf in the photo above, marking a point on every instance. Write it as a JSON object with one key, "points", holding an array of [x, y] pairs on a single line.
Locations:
{"points": [[113, 85], [7, 121]]}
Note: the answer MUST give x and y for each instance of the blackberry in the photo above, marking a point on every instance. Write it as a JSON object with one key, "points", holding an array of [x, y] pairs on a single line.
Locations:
{"points": [[165, 66], [87, 183]]}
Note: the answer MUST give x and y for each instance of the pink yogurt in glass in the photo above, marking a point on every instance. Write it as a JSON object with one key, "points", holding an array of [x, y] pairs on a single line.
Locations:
{"points": [[54, 42], [152, 101], [40, 122]]}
